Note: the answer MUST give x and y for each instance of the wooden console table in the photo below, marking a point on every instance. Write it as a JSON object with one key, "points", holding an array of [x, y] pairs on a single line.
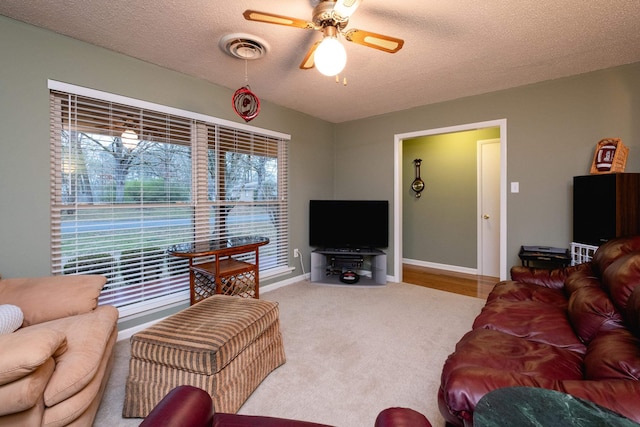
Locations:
{"points": [[222, 274]]}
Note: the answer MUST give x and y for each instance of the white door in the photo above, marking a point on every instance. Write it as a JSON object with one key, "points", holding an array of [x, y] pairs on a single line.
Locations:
{"points": [[489, 207]]}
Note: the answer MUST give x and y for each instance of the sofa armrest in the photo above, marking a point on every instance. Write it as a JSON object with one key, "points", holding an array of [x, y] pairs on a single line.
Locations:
{"points": [[48, 298], [190, 406], [553, 278], [401, 417], [26, 365], [183, 406], [21, 395]]}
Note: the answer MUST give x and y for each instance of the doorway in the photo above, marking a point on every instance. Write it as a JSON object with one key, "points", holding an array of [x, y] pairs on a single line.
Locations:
{"points": [[399, 190]]}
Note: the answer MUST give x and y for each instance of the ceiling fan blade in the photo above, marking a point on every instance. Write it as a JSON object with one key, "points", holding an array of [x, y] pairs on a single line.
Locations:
{"points": [[376, 41], [271, 18], [345, 8], [307, 62]]}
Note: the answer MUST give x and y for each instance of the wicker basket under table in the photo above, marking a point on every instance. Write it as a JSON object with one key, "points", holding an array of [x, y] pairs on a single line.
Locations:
{"points": [[224, 266], [233, 277]]}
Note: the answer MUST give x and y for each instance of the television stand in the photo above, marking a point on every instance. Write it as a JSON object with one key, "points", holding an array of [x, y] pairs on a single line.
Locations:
{"points": [[328, 263]]}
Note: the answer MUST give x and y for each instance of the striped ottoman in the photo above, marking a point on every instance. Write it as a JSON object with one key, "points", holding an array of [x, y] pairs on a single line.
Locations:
{"points": [[223, 344]]}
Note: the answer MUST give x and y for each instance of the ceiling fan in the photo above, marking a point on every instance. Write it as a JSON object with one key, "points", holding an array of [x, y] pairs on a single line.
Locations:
{"points": [[331, 17]]}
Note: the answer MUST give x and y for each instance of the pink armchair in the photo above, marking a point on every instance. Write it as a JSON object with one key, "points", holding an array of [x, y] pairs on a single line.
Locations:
{"points": [[54, 366]]}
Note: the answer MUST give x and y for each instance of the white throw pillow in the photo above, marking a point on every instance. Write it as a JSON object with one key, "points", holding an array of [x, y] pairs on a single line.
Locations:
{"points": [[11, 318]]}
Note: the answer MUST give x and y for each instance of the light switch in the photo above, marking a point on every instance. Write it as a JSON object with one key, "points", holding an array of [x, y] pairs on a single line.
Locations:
{"points": [[515, 187]]}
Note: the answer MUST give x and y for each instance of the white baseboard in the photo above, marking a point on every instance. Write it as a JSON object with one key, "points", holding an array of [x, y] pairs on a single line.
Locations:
{"points": [[125, 334], [446, 267], [282, 283]]}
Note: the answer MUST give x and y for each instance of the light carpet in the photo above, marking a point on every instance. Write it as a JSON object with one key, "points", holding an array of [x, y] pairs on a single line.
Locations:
{"points": [[351, 352]]}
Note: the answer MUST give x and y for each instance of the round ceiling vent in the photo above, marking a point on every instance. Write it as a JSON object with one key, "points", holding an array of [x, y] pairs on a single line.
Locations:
{"points": [[243, 46]]}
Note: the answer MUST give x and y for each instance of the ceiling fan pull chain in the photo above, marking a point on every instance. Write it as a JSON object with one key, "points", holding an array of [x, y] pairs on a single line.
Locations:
{"points": [[246, 72], [245, 103]]}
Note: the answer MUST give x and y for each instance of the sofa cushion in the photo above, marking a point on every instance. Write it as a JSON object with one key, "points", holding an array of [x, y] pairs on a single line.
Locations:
{"points": [[47, 298], [582, 278], [26, 392], [613, 355], [10, 318], [73, 411], [494, 350], [30, 348], [612, 250], [632, 314], [621, 278], [87, 337], [591, 311], [543, 277], [464, 387], [530, 320], [516, 291]]}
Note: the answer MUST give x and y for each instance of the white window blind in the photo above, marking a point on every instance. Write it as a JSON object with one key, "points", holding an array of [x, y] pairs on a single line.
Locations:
{"points": [[252, 186], [117, 203]]}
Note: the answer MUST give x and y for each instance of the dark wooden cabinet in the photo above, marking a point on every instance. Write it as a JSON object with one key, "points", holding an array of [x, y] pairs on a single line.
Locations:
{"points": [[605, 206]]}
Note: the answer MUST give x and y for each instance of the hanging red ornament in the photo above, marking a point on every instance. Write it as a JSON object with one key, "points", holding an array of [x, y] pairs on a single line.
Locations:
{"points": [[246, 104]]}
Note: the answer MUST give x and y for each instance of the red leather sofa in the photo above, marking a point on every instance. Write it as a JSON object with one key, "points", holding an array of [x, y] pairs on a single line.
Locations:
{"points": [[187, 406], [575, 330]]}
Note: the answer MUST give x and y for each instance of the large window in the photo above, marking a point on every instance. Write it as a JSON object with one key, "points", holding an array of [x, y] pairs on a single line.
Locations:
{"points": [[130, 179]]}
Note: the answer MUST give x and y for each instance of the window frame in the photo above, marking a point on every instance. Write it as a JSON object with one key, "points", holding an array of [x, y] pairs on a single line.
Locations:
{"points": [[199, 201]]}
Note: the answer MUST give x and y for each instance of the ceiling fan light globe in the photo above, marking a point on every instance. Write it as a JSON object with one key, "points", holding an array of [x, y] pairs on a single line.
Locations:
{"points": [[330, 57]]}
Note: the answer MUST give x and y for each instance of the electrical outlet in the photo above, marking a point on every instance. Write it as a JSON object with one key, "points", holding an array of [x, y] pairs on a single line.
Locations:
{"points": [[296, 254]]}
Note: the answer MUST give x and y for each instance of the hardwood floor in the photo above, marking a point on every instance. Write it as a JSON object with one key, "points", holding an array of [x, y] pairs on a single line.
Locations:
{"points": [[459, 283]]}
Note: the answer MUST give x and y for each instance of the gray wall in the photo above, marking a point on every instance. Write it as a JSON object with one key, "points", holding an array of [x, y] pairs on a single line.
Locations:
{"points": [[552, 131], [31, 55]]}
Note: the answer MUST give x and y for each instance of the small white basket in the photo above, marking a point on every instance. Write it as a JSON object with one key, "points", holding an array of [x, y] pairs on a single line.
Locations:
{"points": [[581, 252]]}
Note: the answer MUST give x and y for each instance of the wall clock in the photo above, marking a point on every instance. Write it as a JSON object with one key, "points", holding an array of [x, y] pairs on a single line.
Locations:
{"points": [[418, 184]]}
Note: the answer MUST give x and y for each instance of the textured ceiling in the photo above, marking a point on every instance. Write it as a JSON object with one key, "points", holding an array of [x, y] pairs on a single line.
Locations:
{"points": [[453, 48]]}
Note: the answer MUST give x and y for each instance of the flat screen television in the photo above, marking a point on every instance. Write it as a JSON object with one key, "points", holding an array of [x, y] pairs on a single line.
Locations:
{"points": [[349, 223]]}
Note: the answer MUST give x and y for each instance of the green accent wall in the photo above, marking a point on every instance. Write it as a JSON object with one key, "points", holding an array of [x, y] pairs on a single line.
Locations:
{"points": [[446, 211]]}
